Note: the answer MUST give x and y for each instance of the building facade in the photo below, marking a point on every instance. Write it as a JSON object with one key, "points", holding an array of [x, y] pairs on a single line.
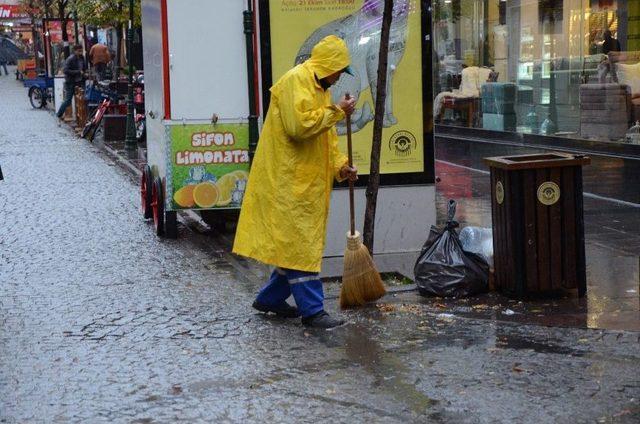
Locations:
{"points": [[551, 69]]}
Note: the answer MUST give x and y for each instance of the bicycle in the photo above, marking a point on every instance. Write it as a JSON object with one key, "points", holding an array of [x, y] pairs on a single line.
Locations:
{"points": [[109, 98]]}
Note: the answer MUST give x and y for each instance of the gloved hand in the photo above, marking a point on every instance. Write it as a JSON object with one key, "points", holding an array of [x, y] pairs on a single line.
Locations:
{"points": [[350, 173], [347, 105]]}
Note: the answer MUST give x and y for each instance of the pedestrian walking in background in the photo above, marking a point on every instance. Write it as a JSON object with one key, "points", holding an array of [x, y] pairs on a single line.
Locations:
{"points": [[284, 213], [3, 62], [4, 55], [99, 56], [74, 68]]}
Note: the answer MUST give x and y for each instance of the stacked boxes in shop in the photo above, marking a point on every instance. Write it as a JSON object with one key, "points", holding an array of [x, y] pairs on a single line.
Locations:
{"points": [[499, 106]]}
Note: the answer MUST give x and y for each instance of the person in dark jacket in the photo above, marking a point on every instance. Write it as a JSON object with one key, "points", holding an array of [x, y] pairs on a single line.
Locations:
{"points": [[74, 68], [3, 61]]}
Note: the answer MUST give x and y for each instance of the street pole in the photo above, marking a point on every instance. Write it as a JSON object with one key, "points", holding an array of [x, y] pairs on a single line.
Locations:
{"points": [[368, 230], [130, 142], [253, 110], [76, 31]]}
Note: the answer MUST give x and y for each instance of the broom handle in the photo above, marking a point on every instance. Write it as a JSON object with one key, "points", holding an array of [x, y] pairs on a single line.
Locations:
{"points": [[349, 149]]}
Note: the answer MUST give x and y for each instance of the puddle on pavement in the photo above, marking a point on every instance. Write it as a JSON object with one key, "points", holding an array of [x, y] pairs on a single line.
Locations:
{"points": [[388, 372], [613, 266], [612, 301], [613, 292], [520, 343]]}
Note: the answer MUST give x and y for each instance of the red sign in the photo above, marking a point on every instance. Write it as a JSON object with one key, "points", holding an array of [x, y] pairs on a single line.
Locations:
{"points": [[9, 11], [55, 31]]}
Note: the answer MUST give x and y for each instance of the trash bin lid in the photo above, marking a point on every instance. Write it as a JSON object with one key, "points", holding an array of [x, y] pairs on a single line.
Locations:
{"points": [[540, 160]]}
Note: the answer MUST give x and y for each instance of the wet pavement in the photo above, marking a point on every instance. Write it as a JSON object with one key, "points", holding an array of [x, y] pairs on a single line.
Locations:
{"points": [[612, 240], [100, 321]]}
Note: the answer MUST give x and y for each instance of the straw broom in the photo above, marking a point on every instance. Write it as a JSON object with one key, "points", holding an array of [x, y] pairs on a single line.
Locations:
{"points": [[361, 280]]}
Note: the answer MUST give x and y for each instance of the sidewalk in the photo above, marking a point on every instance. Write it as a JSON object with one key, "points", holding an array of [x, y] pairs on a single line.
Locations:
{"points": [[101, 321]]}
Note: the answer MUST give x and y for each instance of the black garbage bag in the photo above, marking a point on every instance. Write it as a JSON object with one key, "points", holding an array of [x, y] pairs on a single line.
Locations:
{"points": [[444, 269]]}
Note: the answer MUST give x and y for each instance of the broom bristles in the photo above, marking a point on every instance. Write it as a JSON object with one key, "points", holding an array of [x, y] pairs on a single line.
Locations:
{"points": [[361, 280], [351, 291]]}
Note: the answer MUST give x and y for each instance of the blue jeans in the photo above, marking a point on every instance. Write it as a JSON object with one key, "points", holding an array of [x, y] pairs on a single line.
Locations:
{"points": [[306, 288], [69, 89]]}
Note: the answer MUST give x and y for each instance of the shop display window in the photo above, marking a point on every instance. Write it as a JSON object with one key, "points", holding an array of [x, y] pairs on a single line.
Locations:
{"points": [[564, 68]]}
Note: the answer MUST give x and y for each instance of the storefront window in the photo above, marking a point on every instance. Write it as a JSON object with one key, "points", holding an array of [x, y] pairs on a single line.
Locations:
{"points": [[567, 68]]}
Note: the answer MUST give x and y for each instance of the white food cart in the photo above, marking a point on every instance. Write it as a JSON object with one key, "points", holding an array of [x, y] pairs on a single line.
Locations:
{"points": [[208, 69]]}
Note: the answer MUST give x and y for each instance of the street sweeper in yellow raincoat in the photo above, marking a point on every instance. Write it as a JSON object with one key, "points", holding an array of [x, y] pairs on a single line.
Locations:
{"points": [[284, 213]]}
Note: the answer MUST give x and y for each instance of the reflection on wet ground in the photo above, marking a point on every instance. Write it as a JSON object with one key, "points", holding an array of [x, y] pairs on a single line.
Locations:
{"points": [[612, 220]]}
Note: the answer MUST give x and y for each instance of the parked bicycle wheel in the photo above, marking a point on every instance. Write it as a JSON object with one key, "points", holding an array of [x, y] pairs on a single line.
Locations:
{"points": [[91, 127], [36, 97], [88, 127]]}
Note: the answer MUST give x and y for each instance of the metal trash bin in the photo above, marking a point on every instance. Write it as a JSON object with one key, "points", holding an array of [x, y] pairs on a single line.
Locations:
{"points": [[538, 224]]}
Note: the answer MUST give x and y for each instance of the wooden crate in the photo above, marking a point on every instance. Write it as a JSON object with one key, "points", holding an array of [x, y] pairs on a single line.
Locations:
{"points": [[538, 224], [81, 108]]}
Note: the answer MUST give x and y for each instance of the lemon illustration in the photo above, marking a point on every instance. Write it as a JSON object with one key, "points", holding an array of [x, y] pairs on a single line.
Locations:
{"points": [[184, 196], [241, 175], [206, 195], [226, 184]]}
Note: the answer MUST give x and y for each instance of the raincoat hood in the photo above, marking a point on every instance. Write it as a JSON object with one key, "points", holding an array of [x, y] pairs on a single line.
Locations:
{"points": [[329, 56]]}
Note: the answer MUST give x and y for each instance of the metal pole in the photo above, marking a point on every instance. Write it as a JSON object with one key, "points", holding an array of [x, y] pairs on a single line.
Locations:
{"points": [[130, 142], [76, 31], [47, 51], [253, 113]]}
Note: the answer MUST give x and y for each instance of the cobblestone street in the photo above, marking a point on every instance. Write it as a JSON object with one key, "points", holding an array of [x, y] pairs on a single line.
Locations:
{"points": [[101, 321]]}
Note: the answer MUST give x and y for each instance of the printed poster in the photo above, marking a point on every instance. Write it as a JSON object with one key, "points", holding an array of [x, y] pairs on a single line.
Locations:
{"points": [[209, 165], [297, 25]]}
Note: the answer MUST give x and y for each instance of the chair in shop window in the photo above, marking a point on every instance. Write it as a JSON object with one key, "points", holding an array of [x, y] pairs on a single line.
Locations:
{"points": [[466, 99]]}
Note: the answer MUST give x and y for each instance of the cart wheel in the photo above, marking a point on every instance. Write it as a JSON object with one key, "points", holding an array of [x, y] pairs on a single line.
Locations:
{"points": [[170, 224], [36, 97], [145, 193], [157, 206]]}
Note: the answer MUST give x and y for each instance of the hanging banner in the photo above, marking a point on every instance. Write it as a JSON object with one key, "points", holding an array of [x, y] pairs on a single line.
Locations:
{"points": [[12, 11], [296, 26], [208, 165]]}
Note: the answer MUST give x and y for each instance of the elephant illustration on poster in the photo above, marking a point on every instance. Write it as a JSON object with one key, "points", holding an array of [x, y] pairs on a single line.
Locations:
{"points": [[361, 31]]}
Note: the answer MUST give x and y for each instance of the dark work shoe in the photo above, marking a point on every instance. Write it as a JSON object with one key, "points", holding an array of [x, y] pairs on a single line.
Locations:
{"points": [[322, 320], [285, 311]]}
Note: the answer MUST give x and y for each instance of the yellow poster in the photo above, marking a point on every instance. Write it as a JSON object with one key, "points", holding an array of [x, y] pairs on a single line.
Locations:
{"points": [[297, 25]]}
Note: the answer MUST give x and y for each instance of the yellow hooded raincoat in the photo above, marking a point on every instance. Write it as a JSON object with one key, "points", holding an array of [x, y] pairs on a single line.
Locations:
{"points": [[284, 212]]}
